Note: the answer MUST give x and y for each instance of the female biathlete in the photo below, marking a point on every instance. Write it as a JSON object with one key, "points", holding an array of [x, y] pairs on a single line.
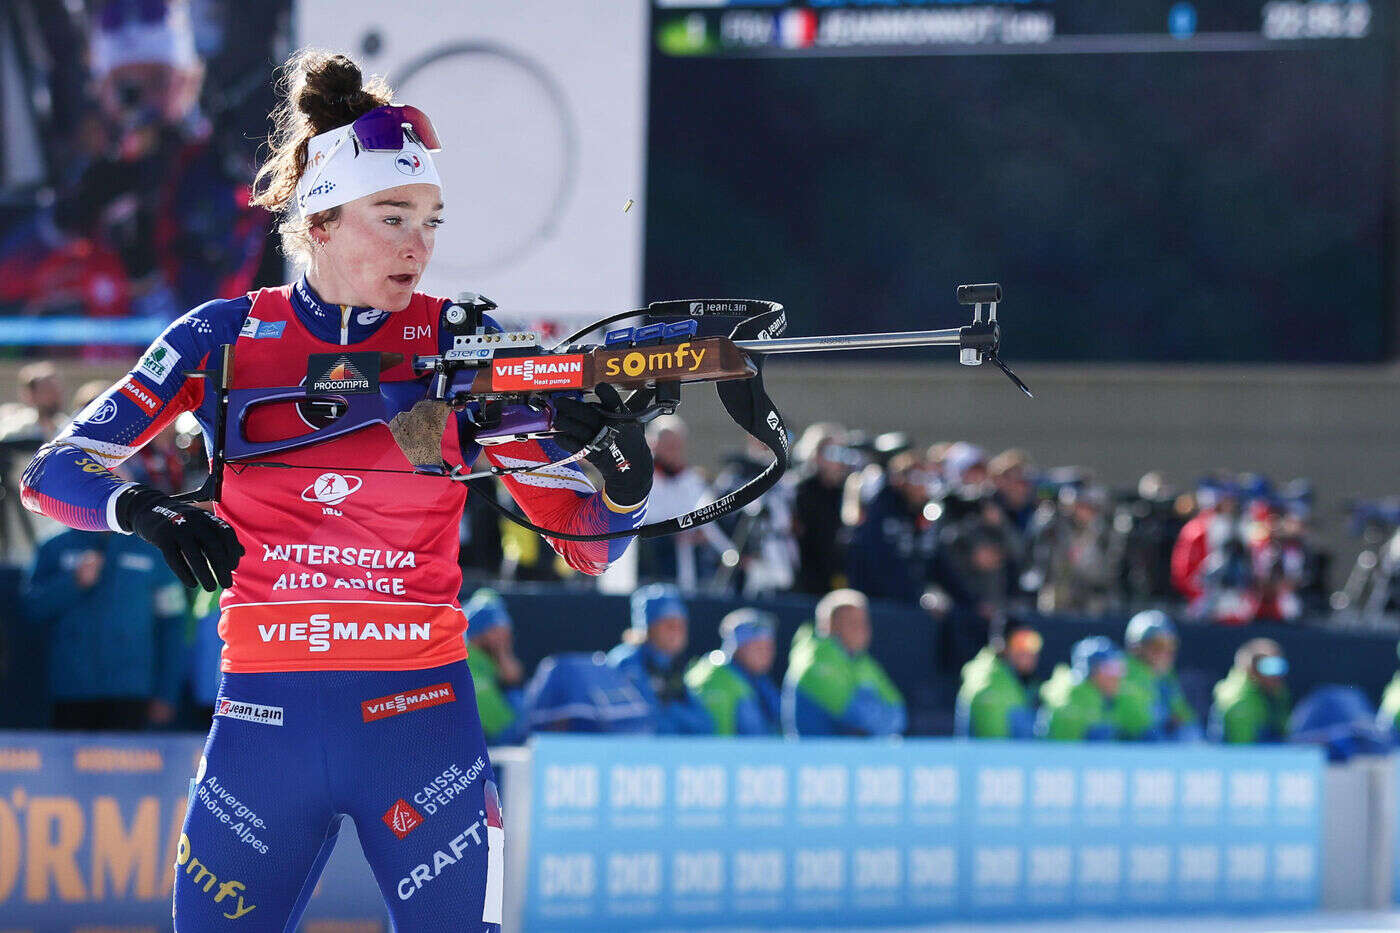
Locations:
{"points": [[345, 690]]}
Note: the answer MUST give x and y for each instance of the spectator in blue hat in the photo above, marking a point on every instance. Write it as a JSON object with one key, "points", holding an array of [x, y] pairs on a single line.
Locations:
{"points": [[652, 657], [1089, 699], [1252, 703], [1151, 641], [733, 682], [496, 672]]}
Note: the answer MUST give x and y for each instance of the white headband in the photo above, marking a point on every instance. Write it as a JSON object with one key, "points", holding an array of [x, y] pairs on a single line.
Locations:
{"points": [[339, 170]]}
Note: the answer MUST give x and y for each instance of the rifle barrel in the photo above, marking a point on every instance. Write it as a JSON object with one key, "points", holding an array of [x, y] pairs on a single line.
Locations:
{"points": [[906, 338]]}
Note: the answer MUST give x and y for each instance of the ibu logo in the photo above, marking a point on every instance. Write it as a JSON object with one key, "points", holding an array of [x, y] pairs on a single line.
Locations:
{"points": [[330, 490]]}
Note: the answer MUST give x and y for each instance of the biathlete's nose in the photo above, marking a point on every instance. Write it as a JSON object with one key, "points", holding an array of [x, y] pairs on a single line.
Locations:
{"points": [[416, 249]]}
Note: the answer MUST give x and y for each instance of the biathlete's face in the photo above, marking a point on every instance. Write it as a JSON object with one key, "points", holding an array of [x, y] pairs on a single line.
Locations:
{"points": [[374, 253]]}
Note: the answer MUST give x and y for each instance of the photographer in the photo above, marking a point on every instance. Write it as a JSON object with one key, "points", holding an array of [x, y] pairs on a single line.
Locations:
{"points": [[825, 463], [1148, 521], [895, 552], [1074, 552]]}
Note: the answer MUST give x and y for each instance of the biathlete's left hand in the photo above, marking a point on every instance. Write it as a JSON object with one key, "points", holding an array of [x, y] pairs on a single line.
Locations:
{"points": [[625, 462]]}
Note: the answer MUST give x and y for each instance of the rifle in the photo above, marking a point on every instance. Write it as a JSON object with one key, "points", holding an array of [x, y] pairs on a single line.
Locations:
{"points": [[502, 384]]}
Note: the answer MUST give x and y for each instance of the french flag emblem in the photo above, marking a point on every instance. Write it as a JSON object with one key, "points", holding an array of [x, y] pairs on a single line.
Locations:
{"points": [[797, 29]]}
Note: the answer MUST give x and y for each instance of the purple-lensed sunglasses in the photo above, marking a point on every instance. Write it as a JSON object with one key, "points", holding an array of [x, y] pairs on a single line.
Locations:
{"points": [[383, 129]]}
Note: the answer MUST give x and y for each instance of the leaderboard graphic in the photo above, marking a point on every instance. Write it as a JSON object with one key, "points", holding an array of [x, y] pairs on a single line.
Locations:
{"points": [[754, 26], [1177, 180], [641, 833]]}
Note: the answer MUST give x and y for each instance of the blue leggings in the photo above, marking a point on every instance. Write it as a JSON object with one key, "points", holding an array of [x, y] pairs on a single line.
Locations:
{"points": [[291, 754]]}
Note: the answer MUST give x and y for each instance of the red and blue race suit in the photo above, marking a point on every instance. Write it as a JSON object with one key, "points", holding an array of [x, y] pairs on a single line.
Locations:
{"points": [[343, 638]]}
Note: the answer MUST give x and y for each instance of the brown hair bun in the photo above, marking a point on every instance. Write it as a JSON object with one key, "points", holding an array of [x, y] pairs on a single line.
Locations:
{"points": [[318, 91]]}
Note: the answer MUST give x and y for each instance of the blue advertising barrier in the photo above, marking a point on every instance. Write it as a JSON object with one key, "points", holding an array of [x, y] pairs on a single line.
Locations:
{"points": [[89, 829], [631, 834]]}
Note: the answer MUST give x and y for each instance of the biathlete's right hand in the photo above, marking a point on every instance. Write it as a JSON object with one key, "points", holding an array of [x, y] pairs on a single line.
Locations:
{"points": [[199, 546]]}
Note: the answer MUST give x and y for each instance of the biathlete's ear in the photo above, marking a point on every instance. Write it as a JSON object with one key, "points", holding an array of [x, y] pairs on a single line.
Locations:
{"points": [[319, 225]]}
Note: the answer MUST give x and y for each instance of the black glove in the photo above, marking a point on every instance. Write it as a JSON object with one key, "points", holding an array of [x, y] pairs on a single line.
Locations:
{"points": [[198, 545], [626, 462]]}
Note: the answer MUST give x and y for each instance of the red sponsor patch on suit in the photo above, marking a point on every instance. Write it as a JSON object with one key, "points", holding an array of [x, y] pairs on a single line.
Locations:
{"points": [[402, 818], [409, 700], [562, 371], [144, 398]]}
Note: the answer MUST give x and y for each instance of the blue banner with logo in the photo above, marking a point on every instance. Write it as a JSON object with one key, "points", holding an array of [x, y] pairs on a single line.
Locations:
{"points": [[1395, 857], [90, 832], [636, 833]]}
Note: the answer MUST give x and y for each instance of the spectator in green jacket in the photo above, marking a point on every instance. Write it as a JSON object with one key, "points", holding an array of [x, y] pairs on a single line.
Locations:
{"points": [[833, 686], [1252, 704], [998, 695], [496, 671], [733, 682], [1089, 700], [1388, 719], [1151, 641]]}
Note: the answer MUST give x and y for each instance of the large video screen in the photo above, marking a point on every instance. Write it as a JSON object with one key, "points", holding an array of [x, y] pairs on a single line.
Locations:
{"points": [[128, 136], [1150, 181]]}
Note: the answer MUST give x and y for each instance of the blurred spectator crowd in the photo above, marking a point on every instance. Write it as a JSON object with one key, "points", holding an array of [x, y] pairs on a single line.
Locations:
{"points": [[963, 533], [987, 542]]}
